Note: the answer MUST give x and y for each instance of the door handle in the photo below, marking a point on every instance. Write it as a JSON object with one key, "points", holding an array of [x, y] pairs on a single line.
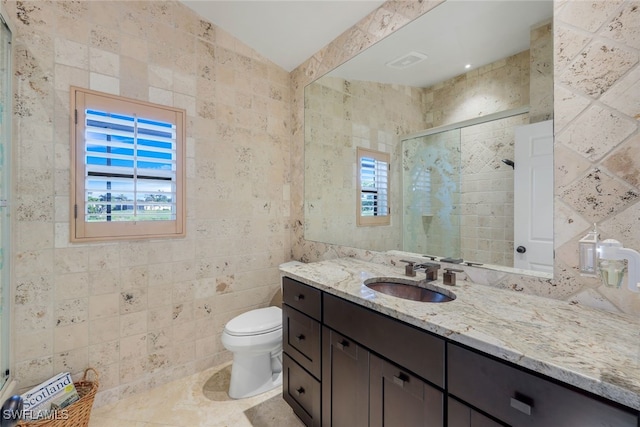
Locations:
{"points": [[342, 344], [521, 249], [522, 404], [401, 379]]}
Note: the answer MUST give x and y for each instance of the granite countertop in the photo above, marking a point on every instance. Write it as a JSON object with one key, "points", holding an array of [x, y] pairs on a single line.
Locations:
{"points": [[590, 349]]}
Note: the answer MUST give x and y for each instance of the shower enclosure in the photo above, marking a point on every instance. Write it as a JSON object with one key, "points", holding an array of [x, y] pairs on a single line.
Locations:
{"points": [[458, 191]]}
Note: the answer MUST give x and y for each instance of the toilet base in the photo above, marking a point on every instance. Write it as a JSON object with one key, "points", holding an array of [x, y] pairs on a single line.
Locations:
{"points": [[252, 374]]}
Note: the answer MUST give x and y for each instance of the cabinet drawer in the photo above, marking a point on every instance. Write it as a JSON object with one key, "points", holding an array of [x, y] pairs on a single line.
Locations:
{"points": [[410, 347], [301, 391], [302, 297], [523, 399], [301, 339]]}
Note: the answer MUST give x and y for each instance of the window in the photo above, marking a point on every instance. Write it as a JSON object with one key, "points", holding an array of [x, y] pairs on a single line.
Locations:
{"points": [[373, 188], [127, 172]]}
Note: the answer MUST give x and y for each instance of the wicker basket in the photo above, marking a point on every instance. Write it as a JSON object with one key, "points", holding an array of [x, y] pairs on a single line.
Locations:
{"points": [[78, 413]]}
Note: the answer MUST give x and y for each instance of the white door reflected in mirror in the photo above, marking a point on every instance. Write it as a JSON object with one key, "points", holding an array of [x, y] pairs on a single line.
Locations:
{"points": [[533, 197]]}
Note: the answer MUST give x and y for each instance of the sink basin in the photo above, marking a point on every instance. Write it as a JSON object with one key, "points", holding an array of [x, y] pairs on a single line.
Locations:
{"points": [[408, 291]]}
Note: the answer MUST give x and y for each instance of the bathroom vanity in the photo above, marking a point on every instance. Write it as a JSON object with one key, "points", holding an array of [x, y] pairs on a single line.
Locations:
{"points": [[355, 357]]}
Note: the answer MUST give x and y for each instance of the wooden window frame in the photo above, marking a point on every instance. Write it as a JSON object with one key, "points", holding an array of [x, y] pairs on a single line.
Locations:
{"points": [[375, 220], [88, 231]]}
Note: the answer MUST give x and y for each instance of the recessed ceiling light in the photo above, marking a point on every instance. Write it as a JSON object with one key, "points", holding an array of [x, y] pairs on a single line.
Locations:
{"points": [[407, 60]]}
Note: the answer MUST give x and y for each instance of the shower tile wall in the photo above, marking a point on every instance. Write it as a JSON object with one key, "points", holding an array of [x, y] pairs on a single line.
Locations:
{"points": [[144, 312], [437, 229], [596, 99], [487, 191]]}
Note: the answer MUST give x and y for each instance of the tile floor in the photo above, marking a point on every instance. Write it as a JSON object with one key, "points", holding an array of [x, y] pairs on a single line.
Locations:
{"points": [[200, 400]]}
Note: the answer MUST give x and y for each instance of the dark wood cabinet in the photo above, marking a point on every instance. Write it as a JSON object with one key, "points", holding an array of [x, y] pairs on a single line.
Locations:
{"points": [[400, 399], [301, 391], [347, 365], [414, 349], [345, 381], [301, 344]]}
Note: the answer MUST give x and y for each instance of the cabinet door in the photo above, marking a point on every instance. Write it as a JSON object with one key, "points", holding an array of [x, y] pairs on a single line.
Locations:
{"points": [[345, 381], [400, 399], [460, 415]]}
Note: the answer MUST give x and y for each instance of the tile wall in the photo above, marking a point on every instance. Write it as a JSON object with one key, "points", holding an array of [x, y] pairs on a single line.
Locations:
{"points": [[144, 312], [596, 111], [336, 113]]}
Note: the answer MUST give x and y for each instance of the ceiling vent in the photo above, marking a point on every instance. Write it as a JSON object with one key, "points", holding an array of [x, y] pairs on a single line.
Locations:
{"points": [[406, 61]]}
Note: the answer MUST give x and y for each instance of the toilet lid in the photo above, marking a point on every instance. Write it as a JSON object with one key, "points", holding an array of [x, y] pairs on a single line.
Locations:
{"points": [[254, 322]]}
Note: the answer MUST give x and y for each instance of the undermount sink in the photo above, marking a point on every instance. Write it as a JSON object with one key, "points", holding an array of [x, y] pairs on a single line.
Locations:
{"points": [[408, 291]]}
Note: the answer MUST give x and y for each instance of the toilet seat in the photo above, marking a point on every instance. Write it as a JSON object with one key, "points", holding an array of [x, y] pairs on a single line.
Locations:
{"points": [[255, 322]]}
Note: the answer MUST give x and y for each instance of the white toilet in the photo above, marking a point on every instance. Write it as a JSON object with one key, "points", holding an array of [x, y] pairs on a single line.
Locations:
{"points": [[255, 339]]}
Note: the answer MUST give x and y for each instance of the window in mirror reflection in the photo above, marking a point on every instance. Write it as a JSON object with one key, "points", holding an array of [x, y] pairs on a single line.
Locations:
{"points": [[373, 187]]}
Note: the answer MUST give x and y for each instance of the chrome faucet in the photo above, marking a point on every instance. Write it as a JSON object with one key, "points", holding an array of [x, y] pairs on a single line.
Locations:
{"points": [[430, 268]]}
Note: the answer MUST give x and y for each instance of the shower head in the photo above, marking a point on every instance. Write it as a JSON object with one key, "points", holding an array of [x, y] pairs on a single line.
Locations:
{"points": [[509, 162]]}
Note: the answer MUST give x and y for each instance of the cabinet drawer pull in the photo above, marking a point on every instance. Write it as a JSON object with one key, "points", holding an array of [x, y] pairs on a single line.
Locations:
{"points": [[299, 297], [300, 391], [518, 404], [300, 337], [342, 344], [401, 379]]}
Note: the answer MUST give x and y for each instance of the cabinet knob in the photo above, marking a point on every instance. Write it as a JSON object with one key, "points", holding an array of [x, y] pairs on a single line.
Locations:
{"points": [[400, 379], [300, 391], [522, 404], [300, 337], [342, 344], [299, 297]]}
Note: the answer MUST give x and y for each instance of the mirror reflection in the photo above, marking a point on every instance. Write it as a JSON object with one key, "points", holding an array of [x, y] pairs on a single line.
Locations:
{"points": [[452, 195]]}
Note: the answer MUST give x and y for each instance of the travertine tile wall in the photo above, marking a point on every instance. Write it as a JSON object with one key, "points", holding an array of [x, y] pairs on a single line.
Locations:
{"points": [[344, 115], [486, 206], [495, 87], [144, 312], [541, 72], [596, 112]]}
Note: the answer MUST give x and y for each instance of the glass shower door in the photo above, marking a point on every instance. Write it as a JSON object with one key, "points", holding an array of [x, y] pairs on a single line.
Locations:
{"points": [[431, 194], [5, 140]]}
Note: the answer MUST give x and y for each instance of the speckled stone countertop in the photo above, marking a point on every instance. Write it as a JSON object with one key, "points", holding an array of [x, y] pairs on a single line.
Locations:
{"points": [[593, 350]]}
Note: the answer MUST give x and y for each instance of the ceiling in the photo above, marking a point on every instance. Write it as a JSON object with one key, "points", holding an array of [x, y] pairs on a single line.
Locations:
{"points": [[452, 35], [286, 32]]}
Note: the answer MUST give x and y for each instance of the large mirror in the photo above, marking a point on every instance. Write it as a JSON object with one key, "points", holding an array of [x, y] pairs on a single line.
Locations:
{"points": [[446, 96]]}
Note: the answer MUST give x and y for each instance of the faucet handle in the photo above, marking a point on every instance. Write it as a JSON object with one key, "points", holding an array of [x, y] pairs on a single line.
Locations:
{"points": [[409, 269], [449, 276], [472, 264]]}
